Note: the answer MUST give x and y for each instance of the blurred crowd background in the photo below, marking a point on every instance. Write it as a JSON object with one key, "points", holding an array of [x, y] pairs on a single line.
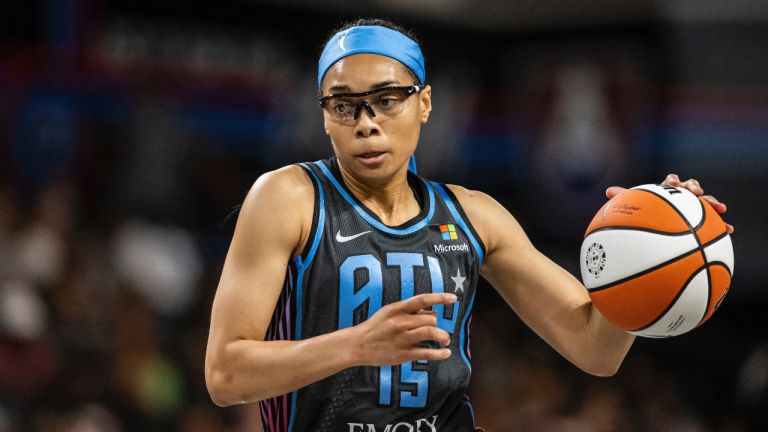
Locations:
{"points": [[130, 131]]}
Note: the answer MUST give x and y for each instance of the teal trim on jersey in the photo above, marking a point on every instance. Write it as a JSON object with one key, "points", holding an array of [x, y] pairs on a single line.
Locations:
{"points": [[471, 411], [460, 221], [302, 265], [320, 224], [368, 217], [461, 333], [463, 225]]}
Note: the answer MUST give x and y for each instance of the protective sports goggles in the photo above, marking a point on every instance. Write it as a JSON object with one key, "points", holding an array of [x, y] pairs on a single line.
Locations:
{"points": [[382, 104]]}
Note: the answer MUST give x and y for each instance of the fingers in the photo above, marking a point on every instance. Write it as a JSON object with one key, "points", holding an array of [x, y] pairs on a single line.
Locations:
{"points": [[431, 354], [428, 319], [672, 180], [424, 311], [720, 208], [421, 301], [613, 191], [692, 184], [717, 205], [429, 334]]}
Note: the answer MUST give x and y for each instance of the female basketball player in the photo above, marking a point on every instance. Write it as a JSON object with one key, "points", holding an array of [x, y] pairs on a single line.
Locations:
{"points": [[344, 300]]}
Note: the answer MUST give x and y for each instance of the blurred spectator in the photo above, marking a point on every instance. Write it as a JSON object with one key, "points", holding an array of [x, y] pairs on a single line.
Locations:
{"points": [[752, 385], [162, 263]]}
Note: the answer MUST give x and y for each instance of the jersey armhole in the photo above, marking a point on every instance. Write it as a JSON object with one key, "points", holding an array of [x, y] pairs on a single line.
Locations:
{"points": [[463, 215], [318, 217]]}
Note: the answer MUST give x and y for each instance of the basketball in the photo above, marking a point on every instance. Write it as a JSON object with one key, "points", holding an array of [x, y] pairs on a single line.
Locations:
{"points": [[657, 260]]}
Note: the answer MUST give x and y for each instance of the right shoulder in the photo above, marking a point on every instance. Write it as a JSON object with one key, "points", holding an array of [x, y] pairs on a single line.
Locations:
{"points": [[280, 201], [290, 185]]}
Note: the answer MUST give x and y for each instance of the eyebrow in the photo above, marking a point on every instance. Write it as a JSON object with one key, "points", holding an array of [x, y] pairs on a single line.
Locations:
{"points": [[347, 89]]}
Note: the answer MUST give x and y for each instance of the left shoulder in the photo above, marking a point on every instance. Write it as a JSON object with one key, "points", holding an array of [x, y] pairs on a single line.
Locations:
{"points": [[467, 195], [476, 204], [485, 214]]}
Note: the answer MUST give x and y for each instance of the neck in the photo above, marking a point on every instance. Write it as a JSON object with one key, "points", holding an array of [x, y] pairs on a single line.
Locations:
{"points": [[391, 200]]}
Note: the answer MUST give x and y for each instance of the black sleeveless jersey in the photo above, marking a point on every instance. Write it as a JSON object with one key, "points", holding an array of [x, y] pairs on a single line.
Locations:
{"points": [[353, 265]]}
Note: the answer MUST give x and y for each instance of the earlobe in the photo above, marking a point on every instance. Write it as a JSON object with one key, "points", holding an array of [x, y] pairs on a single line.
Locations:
{"points": [[426, 103], [325, 125]]}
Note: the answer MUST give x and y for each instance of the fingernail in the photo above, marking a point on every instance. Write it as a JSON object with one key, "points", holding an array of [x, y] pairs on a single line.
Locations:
{"points": [[452, 297]]}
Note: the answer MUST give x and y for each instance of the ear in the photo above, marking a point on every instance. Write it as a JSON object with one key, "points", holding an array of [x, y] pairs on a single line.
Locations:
{"points": [[425, 103], [325, 125]]}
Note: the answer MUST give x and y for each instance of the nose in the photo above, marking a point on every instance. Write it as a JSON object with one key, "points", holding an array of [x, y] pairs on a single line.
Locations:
{"points": [[365, 126], [367, 107]]}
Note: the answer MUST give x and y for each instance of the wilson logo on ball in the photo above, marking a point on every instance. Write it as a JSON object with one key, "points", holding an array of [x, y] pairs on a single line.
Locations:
{"points": [[595, 259]]}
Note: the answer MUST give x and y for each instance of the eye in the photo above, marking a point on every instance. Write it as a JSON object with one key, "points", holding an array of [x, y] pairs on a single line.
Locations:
{"points": [[341, 107], [388, 101]]}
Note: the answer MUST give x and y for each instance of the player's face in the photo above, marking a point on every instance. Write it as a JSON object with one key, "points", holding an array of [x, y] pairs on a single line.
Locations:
{"points": [[373, 149]]}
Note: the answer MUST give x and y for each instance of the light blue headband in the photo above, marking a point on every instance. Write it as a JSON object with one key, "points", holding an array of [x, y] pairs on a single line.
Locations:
{"points": [[372, 40]]}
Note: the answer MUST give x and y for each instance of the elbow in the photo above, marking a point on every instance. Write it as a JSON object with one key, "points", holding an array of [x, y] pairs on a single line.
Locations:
{"points": [[215, 381], [601, 370], [601, 365], [219, 384]]}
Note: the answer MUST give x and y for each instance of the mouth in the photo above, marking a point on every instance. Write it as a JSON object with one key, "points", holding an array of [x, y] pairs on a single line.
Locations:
{"points": [[371, 157]]}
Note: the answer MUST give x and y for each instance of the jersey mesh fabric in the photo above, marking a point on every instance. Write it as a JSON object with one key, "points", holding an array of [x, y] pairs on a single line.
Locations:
{"points": [[352, 265]]}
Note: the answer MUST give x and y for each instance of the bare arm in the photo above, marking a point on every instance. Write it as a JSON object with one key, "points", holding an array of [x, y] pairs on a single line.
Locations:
{"points": [[547, 298], [240, 366]]}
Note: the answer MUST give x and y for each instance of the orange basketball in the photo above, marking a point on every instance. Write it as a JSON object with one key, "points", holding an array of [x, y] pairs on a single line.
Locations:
{"points": [[657, 260]]}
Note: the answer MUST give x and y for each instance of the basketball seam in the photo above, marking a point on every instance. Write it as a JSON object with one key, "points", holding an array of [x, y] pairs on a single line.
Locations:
{"points": [[658, 266], [634, 228], [714, 240], [706, 261], [703, 215], [709, 290], [674, 207], [706, 266], [645, 272], [721, 264], [709, 275], [674, 300]]}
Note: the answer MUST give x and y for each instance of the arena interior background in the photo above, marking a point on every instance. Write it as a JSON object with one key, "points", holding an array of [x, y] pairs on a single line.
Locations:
{"points": [[131, 129]]}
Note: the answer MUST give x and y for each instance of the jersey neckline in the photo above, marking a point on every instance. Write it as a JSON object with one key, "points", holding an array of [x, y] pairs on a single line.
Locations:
{"points": [[422, 192]]}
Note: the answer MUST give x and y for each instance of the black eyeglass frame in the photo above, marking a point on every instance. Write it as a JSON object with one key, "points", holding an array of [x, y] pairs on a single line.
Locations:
{"points": [[408, 90]]}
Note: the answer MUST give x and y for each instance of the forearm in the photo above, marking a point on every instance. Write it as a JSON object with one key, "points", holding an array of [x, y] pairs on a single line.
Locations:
{"points": [[606, 344], [601, 346], [248, 371], [558, 308]]}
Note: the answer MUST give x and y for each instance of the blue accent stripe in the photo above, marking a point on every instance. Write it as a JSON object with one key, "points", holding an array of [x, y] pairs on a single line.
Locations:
{"points": [[301, 266], [461, 334], [320, 226], [373, 221], [471, 411], [385, 385], [460, 221]]}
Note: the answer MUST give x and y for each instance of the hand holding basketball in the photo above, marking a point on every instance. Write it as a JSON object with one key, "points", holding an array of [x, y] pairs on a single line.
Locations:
{"points": [[657, 260], [692, 185]]}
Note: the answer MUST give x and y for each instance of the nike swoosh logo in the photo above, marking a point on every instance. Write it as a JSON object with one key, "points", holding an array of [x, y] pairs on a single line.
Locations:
{"points": [[341, 239]]}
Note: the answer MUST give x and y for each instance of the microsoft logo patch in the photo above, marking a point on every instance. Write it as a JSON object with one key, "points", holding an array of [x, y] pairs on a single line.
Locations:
{"points": [[449, 232]]}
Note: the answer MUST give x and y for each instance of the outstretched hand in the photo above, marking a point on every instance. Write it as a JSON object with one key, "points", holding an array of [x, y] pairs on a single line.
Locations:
{"points": [[392, 335], [691, 184]]}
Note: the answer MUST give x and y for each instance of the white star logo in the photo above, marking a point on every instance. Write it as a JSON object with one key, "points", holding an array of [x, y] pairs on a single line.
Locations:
{"points": [[459, 279]]}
